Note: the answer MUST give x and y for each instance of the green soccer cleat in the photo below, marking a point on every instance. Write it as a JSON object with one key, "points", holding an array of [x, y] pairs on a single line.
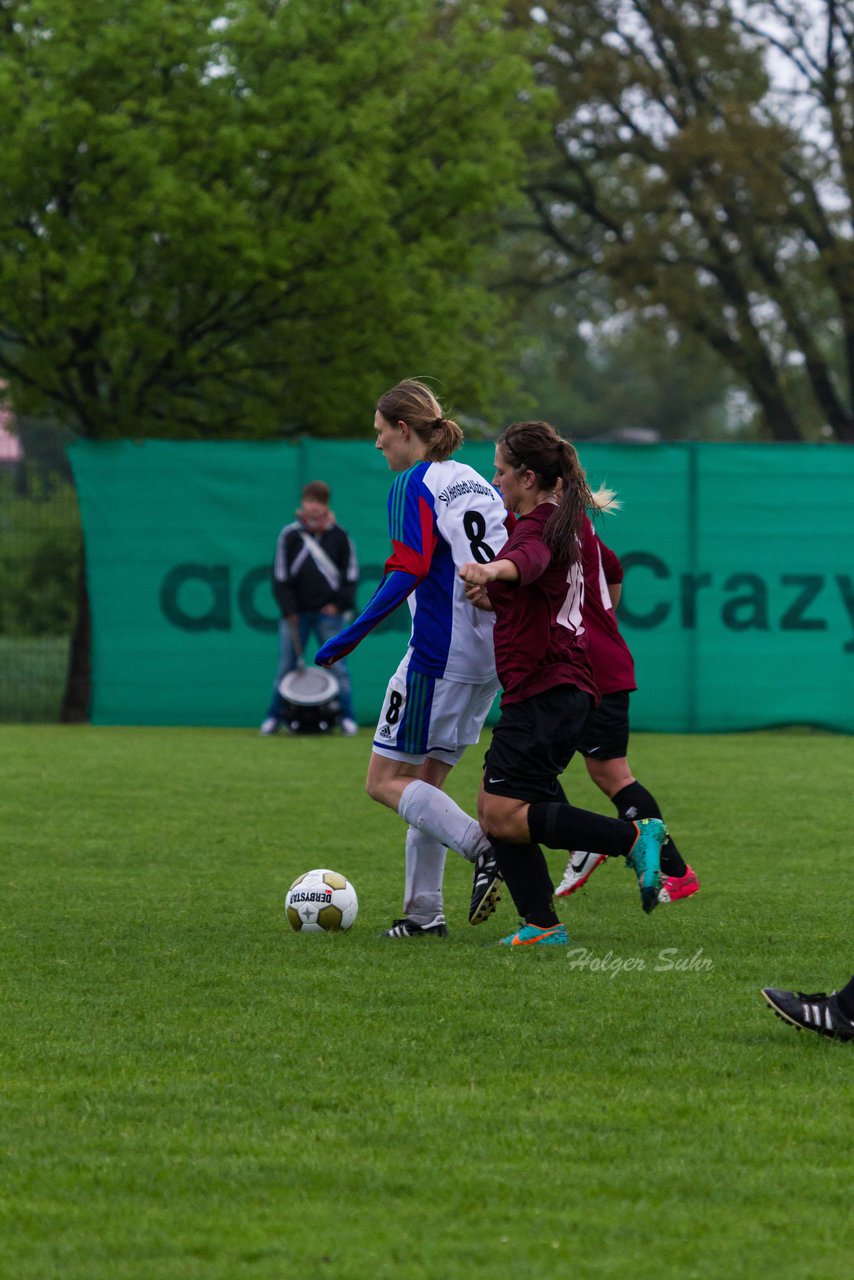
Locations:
{"points": [[535, 935], [644, 858]]}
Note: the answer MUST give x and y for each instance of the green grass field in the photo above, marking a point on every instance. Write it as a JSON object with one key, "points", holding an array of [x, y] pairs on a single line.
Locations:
{"points": [[191, 1090]]}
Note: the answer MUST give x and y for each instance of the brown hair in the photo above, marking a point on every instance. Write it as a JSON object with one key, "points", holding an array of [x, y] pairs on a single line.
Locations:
{"points": [[317, 491], [538, 447], [413, 403]]}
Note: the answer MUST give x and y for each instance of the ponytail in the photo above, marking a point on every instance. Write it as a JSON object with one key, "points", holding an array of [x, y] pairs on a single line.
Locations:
{"points": [[605, 500], [563, 532], [445, 438], [414, 403]]}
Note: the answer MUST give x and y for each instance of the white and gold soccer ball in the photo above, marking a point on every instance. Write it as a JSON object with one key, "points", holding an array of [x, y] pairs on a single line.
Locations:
{"points": [[321, 901]]}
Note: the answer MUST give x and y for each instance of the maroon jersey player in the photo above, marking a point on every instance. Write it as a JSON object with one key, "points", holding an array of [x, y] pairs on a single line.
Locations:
{"points": [[605, 741], [536, 588]]}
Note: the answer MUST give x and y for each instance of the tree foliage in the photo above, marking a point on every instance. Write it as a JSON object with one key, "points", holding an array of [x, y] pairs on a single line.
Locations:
{"points": [[244, 217], [702, 166], [624, 382], [39, 557]]}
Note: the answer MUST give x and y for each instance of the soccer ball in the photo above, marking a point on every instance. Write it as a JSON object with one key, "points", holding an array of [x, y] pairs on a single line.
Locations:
{"points": [[321, 901]]}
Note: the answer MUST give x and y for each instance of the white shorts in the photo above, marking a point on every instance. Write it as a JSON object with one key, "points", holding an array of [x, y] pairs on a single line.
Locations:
{"points": [[428, 716]]}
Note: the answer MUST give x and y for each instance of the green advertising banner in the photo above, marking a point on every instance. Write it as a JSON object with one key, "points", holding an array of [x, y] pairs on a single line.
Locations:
{"points": [[738, 601]]}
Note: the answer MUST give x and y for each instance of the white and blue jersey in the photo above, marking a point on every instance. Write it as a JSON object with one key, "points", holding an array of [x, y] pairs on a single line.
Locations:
{"points": [[440, 515]]}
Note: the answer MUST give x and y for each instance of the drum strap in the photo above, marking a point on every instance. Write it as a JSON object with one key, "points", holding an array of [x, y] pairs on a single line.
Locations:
{"points": [[311, 547]]}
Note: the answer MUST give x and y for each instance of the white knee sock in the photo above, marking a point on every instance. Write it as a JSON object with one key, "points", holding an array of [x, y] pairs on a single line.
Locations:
{"points": [[425, 866], [429, 809]]}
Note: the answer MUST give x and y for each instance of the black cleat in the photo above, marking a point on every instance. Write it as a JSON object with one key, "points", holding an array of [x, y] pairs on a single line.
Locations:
{"points": [[818, 1012], [409, 929], [486, 888]]}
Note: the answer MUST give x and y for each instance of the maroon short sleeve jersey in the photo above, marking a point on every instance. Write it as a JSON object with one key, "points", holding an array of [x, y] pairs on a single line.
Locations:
{"points": [[538, 628], [610, 656]]}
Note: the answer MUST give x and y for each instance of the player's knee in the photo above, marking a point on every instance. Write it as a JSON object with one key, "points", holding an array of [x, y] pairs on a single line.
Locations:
{"points": [[385, 790], [503, 829], [375, 789], [503, 823]]}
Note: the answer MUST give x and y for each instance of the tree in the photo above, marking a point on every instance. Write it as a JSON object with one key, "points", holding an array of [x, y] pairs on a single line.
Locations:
{"points": [[702, 167], [622, 381], [244, 217]]}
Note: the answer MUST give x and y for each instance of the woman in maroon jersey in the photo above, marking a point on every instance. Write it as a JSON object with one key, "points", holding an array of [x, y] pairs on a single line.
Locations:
{"points": [[606, 735], [536, 587]]}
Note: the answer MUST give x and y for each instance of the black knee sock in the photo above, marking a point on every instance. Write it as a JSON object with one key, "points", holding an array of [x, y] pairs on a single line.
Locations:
{"points": [[563, 826], [526, 875], [846, 1000], [634, 801]]}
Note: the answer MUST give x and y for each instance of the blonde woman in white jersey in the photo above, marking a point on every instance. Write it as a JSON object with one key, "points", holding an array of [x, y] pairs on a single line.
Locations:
{"points": [[442, 514]]}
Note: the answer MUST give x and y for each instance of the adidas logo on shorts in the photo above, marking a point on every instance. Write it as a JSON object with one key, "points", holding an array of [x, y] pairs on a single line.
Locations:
{"points": [[385, 732]]}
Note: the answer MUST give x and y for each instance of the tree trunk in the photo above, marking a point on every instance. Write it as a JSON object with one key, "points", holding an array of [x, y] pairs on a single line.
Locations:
{"points": [[78, 681]]}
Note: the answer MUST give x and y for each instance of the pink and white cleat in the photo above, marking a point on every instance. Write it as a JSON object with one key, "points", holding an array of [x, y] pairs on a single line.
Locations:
{"points": [[675, 887]]}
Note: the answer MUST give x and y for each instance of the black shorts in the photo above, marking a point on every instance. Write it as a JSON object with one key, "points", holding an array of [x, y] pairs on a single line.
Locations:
{"points": [[606, 734], [533, 743]]}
